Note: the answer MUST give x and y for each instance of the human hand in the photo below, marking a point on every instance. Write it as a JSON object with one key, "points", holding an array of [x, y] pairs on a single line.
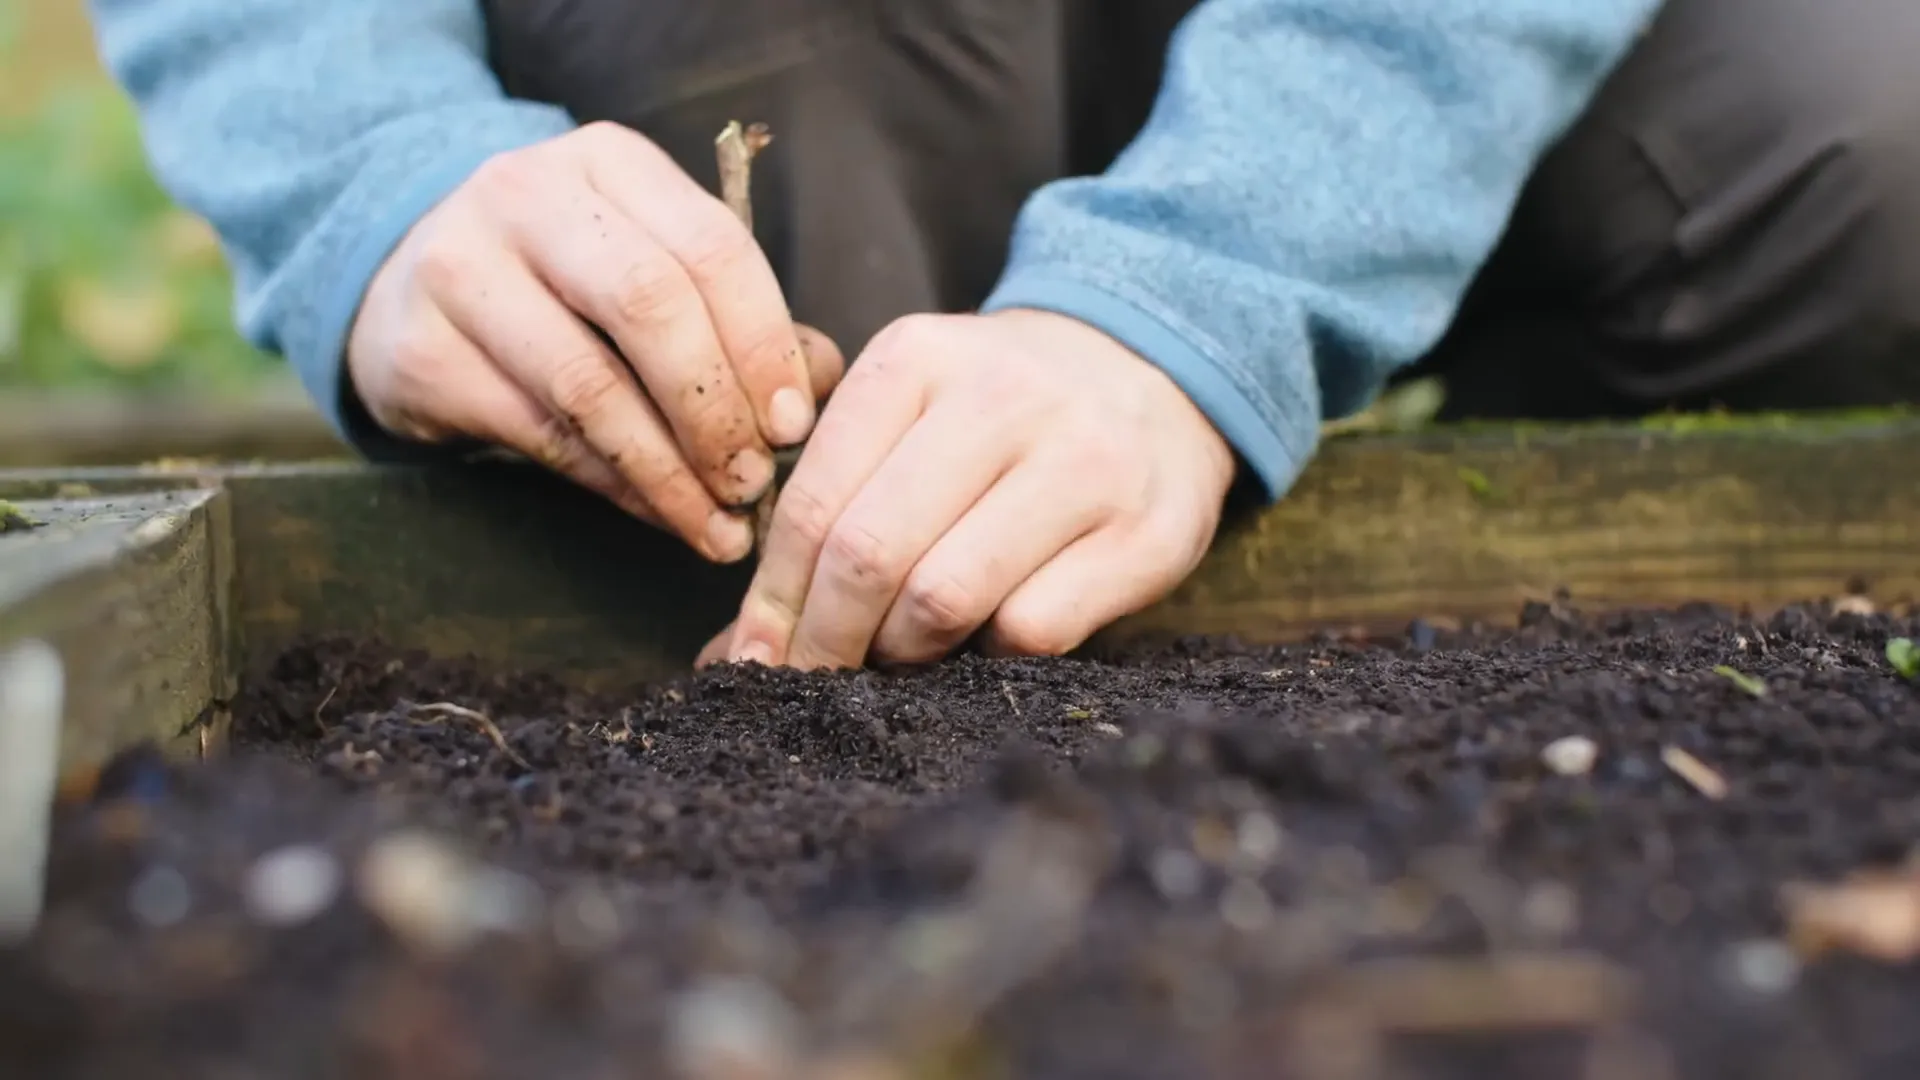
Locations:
{"points": [[1019, 471], [481, 324]]}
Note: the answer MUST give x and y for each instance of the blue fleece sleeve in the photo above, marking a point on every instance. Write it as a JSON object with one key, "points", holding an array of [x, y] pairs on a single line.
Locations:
{"points": [[312, 134], [1315, 189]]}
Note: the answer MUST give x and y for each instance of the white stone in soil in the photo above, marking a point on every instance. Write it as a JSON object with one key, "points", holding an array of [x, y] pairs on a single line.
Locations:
{"points": [[1571, 756]]}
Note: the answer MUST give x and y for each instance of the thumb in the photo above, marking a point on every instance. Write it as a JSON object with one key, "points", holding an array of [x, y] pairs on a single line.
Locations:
{"points": [[716, 650], [825, 363]]}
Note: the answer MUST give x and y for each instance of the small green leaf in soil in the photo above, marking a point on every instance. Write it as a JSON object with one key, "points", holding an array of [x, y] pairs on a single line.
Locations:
{"points": [[1904, 655], [1748, 684]]}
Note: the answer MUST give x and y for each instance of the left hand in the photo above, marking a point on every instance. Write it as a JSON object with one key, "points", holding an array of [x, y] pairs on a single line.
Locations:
{"points": [[1019, 471]]}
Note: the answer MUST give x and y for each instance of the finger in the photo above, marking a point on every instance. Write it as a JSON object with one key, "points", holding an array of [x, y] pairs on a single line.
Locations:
{"points": [[575, 379], [1015, 529], [1094, 581], [509, 416], [882, 397], [610, 270], [727, 268], [937, 471], [481, 401], [715, 651], [825, 363]]}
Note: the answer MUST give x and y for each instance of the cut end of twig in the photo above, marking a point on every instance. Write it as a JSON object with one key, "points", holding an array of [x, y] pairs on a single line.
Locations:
{"points": [[750, 138]]}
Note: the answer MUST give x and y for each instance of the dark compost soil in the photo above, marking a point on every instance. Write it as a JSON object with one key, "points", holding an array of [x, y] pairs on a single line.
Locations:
{"points": [[1335, 860]]}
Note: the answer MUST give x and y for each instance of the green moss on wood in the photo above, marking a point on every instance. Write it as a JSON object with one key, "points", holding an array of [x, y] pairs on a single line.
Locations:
{"points": [[13, 519]]}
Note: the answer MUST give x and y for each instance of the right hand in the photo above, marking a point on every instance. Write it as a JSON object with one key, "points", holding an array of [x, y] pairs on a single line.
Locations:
{"points": [[481, 324]]}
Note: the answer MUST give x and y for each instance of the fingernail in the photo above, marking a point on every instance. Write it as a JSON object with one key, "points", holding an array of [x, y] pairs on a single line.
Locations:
{"points": [[756, 652], [791, 415], [753, 471], [728, 538]]}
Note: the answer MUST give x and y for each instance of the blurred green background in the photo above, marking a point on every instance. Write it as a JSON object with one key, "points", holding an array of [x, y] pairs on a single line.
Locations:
{"points": [[104, 284]]}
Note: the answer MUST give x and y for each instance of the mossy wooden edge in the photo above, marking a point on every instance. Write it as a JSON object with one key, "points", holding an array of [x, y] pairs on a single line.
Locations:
{"points": [[128, 590], [525, 571], [1379, 531]]}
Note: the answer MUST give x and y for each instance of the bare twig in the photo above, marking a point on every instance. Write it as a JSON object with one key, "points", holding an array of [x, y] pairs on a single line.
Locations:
{"points": [[1695, 772], [736, 147], [439, 710]]}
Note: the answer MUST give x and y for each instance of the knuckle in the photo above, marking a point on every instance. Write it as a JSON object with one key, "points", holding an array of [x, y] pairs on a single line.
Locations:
{"points": [[666, 482], [1097, 450], [713, 408], [647, 290], [1016, 385], [716, 248], [584, 388], [801, 514], [417, 364], [600, 133], [858, 555], [1030, 634], [556, 444], [410, 425], [769, 356], [716, 444], [508, 177], [909, 341], [442, 267], [940, 605]]}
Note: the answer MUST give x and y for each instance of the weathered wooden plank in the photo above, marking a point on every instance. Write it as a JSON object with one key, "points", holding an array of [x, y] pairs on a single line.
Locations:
{"points": [[1379, 531], [126, 589], [503, 562], [497, 560], [509, 564]]}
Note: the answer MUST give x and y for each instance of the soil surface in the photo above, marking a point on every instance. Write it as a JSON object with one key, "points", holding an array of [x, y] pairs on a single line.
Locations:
{"points": [[1337, 860]]}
